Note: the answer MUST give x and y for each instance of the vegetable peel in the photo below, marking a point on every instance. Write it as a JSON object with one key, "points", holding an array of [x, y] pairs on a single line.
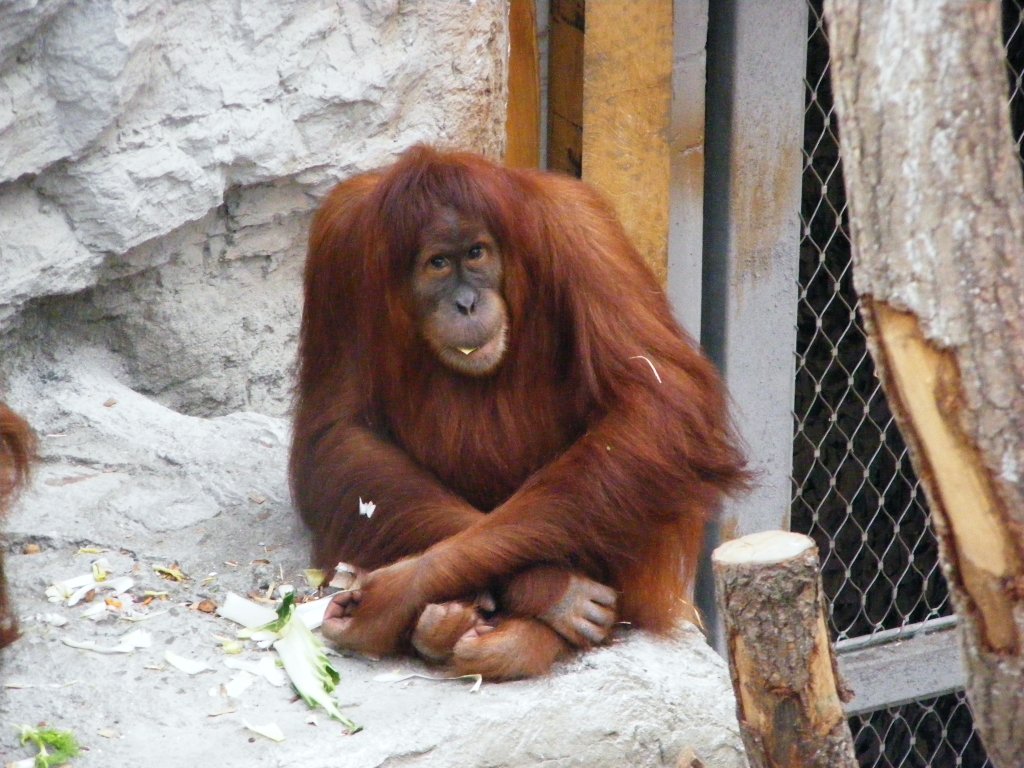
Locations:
{"points": [[128, 643], [269, 731], [312, 674], [188, 666], [245, 612], [171, 573], [303, 656]]}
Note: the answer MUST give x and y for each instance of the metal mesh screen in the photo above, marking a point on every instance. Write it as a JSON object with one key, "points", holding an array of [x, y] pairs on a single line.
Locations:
{"points": [[1013, 35], [854, 490], [931, 733]]}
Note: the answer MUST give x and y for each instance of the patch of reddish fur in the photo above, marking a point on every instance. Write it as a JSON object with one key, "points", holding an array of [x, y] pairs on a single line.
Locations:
{"points": [[16, 445]]}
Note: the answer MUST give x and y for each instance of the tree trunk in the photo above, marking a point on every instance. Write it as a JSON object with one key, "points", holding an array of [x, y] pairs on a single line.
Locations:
{"points": [[937, 225], [783, 669]]}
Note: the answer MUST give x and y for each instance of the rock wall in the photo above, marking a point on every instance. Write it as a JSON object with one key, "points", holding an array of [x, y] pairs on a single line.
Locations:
{"points": [[159, 161]]}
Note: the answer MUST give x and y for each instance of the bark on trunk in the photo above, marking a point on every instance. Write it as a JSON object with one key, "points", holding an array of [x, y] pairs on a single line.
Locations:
{"points": [[936, 202], [783, 668]]}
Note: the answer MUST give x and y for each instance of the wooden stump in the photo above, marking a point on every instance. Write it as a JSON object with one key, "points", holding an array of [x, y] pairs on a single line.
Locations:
{"points": [[782, 665]]}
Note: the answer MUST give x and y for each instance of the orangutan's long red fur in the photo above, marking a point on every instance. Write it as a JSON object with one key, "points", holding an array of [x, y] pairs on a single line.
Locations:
{"points": [[602, 442], [15, 450]]}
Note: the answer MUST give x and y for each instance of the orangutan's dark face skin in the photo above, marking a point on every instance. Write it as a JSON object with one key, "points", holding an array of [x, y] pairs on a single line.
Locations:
{"points": [[456, 285]]}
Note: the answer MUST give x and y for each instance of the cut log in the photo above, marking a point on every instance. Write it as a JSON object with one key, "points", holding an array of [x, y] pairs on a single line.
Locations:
{"points": [[783, 668]]}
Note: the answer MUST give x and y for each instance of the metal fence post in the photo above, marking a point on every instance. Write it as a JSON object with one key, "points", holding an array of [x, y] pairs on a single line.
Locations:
{"points": [[754, 129]]}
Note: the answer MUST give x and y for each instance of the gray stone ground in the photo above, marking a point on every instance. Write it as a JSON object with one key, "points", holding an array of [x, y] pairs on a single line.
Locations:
{"points": [[154, 487]]}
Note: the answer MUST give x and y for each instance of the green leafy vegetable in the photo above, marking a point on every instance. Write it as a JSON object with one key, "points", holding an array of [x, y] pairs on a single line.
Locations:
{"points": [[55, 747], [304, 659]]}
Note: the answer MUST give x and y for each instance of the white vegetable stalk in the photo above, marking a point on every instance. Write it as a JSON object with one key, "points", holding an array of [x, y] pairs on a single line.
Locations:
{"points": [[306, 663]]}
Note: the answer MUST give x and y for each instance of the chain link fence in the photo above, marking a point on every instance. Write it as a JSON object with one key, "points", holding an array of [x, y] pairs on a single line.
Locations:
{"points": [[935, 733], [854, 490]]}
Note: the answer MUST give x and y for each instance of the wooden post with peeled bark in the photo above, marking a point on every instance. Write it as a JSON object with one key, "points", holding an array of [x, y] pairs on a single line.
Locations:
{"points": [[936, 202], [783, 669]]}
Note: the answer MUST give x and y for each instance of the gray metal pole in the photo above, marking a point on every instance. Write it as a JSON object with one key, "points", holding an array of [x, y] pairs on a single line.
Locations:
{"points": [[755, 115]]}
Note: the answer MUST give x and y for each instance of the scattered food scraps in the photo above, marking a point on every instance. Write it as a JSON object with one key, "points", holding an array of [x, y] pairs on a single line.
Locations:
{"points": [[263, 599], [301, 652], [114, 591], [315, 577], [344, 576], [128, 643], [66, 589], [397, 677], [245, 612], [55, 747], [304, 659], [206, 606], [73, 590], [230, 645], [188, 666], [172, 572], [269, 731], [234, 687], [96, 611], [131, 614], [266, 668]]}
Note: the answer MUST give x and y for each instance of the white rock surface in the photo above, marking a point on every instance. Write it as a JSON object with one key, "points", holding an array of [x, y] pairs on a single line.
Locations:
{"points": [[615, 707], [159, 162]]}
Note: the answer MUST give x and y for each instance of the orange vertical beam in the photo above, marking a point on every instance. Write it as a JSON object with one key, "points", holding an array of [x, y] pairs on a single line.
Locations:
{"points": [[522, 124], [610, 99], [627, 99]]}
